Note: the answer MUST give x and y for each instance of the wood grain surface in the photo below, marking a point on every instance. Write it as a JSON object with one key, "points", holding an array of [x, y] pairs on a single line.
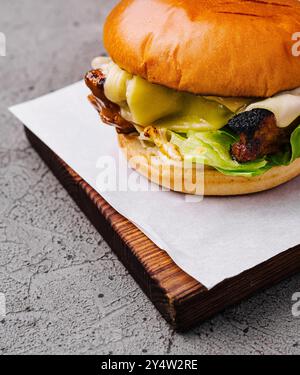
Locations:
{"points": [[182, 301]]}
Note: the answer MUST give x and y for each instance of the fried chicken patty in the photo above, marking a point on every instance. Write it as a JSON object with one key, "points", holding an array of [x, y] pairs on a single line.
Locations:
{"points": [[257, 129], [259, 135]]}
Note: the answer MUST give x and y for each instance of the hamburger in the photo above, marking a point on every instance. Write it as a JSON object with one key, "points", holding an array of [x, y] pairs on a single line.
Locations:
{"points": [[212, 83]]}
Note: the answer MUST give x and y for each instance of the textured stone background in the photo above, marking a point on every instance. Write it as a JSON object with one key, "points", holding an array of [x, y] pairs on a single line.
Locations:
{"points": [[66, 292]]}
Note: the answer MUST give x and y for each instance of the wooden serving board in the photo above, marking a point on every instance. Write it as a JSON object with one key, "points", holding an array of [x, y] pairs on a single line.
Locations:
{"points": [[182, 301]]}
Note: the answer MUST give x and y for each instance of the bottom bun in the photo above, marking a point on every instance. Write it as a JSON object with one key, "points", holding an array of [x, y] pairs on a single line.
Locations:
{"points": [[191, 180]]}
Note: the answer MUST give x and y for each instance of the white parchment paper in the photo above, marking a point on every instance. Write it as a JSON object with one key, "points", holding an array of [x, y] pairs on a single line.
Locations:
{"points": [[211, 240]]}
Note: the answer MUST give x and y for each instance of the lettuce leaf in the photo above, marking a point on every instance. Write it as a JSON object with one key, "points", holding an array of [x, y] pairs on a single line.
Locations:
{"points": [[213, 149], [291, 153]]}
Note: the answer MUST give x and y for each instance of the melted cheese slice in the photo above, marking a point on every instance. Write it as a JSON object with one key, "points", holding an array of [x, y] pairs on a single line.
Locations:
{"points": [[146, 103], [285, 106]]}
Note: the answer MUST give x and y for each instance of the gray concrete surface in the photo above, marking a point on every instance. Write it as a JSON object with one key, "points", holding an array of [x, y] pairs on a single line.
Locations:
{"points": [[66, 292]]}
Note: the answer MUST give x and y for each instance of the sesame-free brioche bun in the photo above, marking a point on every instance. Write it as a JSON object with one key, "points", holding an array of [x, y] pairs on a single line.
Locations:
{"points": [[215, 183], [210, 47]]}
